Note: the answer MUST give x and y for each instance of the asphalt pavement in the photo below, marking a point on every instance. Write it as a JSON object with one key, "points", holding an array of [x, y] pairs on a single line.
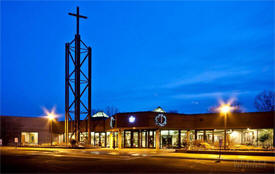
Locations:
{"points": [[51, 160]]}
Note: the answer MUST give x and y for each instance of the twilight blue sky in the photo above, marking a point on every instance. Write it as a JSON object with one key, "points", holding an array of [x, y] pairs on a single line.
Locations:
{"points": [[182, 55]]}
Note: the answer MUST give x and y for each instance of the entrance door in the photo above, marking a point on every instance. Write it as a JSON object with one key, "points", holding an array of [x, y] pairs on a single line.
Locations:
{"points": [[100, 139], [131, 138], [148, 138], [135, 139], [151, 138], [166, 141], [144, 142]]}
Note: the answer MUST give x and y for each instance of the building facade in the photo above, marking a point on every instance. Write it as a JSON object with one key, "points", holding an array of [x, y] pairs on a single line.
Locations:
{"points": [[157, 129], [24, 130]]}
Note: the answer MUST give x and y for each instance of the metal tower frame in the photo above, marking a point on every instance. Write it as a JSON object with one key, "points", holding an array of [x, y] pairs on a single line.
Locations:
{"points": [[77, 83]]}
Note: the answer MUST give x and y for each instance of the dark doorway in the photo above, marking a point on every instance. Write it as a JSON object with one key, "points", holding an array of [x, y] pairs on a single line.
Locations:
{"points": [[166, 141]]}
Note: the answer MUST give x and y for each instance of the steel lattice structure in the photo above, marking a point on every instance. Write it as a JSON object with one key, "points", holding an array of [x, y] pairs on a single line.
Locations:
{"points": [[77, 84]]}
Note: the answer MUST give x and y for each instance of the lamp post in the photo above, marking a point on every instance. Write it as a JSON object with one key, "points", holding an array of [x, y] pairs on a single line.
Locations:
{"points": [[51, 117], [225, 109]]}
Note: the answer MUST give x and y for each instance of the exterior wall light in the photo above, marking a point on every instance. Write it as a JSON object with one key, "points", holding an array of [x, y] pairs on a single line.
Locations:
{"points": [[132, 119]]}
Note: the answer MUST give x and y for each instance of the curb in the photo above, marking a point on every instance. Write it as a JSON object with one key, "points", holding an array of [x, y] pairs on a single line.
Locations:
{"points": [[267, 153], [213, 159]]}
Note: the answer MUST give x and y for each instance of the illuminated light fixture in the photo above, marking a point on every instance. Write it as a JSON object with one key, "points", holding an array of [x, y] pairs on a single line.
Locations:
{"points": [[51, 115], [225, 108], [132, 119]]}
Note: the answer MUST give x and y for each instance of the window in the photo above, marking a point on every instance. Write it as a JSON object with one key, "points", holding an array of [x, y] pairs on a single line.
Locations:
{"points": [[127, 138], [169, 138], [92, 138], [29, 138]]}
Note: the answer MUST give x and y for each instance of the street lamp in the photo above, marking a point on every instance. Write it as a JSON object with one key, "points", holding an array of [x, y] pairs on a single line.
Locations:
{"points": [[225, 109], [51, 117]]}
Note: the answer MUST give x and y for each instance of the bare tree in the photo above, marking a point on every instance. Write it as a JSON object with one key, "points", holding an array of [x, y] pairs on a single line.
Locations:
{"points": [[237, 107], [111, 110], [265, 101]]}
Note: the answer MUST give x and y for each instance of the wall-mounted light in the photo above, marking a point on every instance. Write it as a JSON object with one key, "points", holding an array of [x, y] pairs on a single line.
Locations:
{"points": [[132, 119]]}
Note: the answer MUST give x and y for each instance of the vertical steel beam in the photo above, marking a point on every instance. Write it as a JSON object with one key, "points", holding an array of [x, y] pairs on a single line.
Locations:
{"points": [[67, 47], [89, 92], [77, 87], [77, 20]]}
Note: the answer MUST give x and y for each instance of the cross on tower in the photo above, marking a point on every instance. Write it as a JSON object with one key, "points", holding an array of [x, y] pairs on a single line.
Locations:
{"points": [[81, 81], [77, 15]]}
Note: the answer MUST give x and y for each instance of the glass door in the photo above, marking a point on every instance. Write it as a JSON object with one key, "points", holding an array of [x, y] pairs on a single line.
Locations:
{"points": [[151, 138], [144, 142], [135, 139], [127, 139]]}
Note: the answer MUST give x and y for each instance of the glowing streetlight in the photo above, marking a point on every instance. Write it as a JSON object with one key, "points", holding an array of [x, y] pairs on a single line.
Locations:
{"points": [[225, 108], [51, 116]]}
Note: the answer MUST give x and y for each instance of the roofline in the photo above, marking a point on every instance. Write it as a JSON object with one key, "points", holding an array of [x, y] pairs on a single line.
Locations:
{"points": [[24, 116], [189, 114], [144, 112]]}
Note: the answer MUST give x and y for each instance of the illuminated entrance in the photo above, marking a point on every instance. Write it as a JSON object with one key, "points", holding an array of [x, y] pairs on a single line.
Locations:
{"points": [[29, 138], [149, 138], [139, 138], [169, 138]]}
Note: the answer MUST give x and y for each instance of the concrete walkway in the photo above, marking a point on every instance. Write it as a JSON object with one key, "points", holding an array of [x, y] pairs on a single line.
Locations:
{"points": [[164, 153]]}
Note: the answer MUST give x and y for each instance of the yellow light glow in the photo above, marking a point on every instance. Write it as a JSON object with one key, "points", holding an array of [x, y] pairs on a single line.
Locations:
{"points": [[225, 108], [51, 115]]}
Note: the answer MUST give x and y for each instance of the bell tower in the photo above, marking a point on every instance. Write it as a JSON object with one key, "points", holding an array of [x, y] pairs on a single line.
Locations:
{"points": [[77, 84]]}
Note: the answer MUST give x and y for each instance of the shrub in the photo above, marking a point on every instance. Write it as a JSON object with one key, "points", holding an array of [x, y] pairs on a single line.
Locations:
{"points": [[264, 137], [73, 142]]}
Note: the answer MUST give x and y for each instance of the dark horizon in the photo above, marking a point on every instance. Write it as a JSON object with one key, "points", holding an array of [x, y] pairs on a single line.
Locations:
{"points": [[182, 56]]}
